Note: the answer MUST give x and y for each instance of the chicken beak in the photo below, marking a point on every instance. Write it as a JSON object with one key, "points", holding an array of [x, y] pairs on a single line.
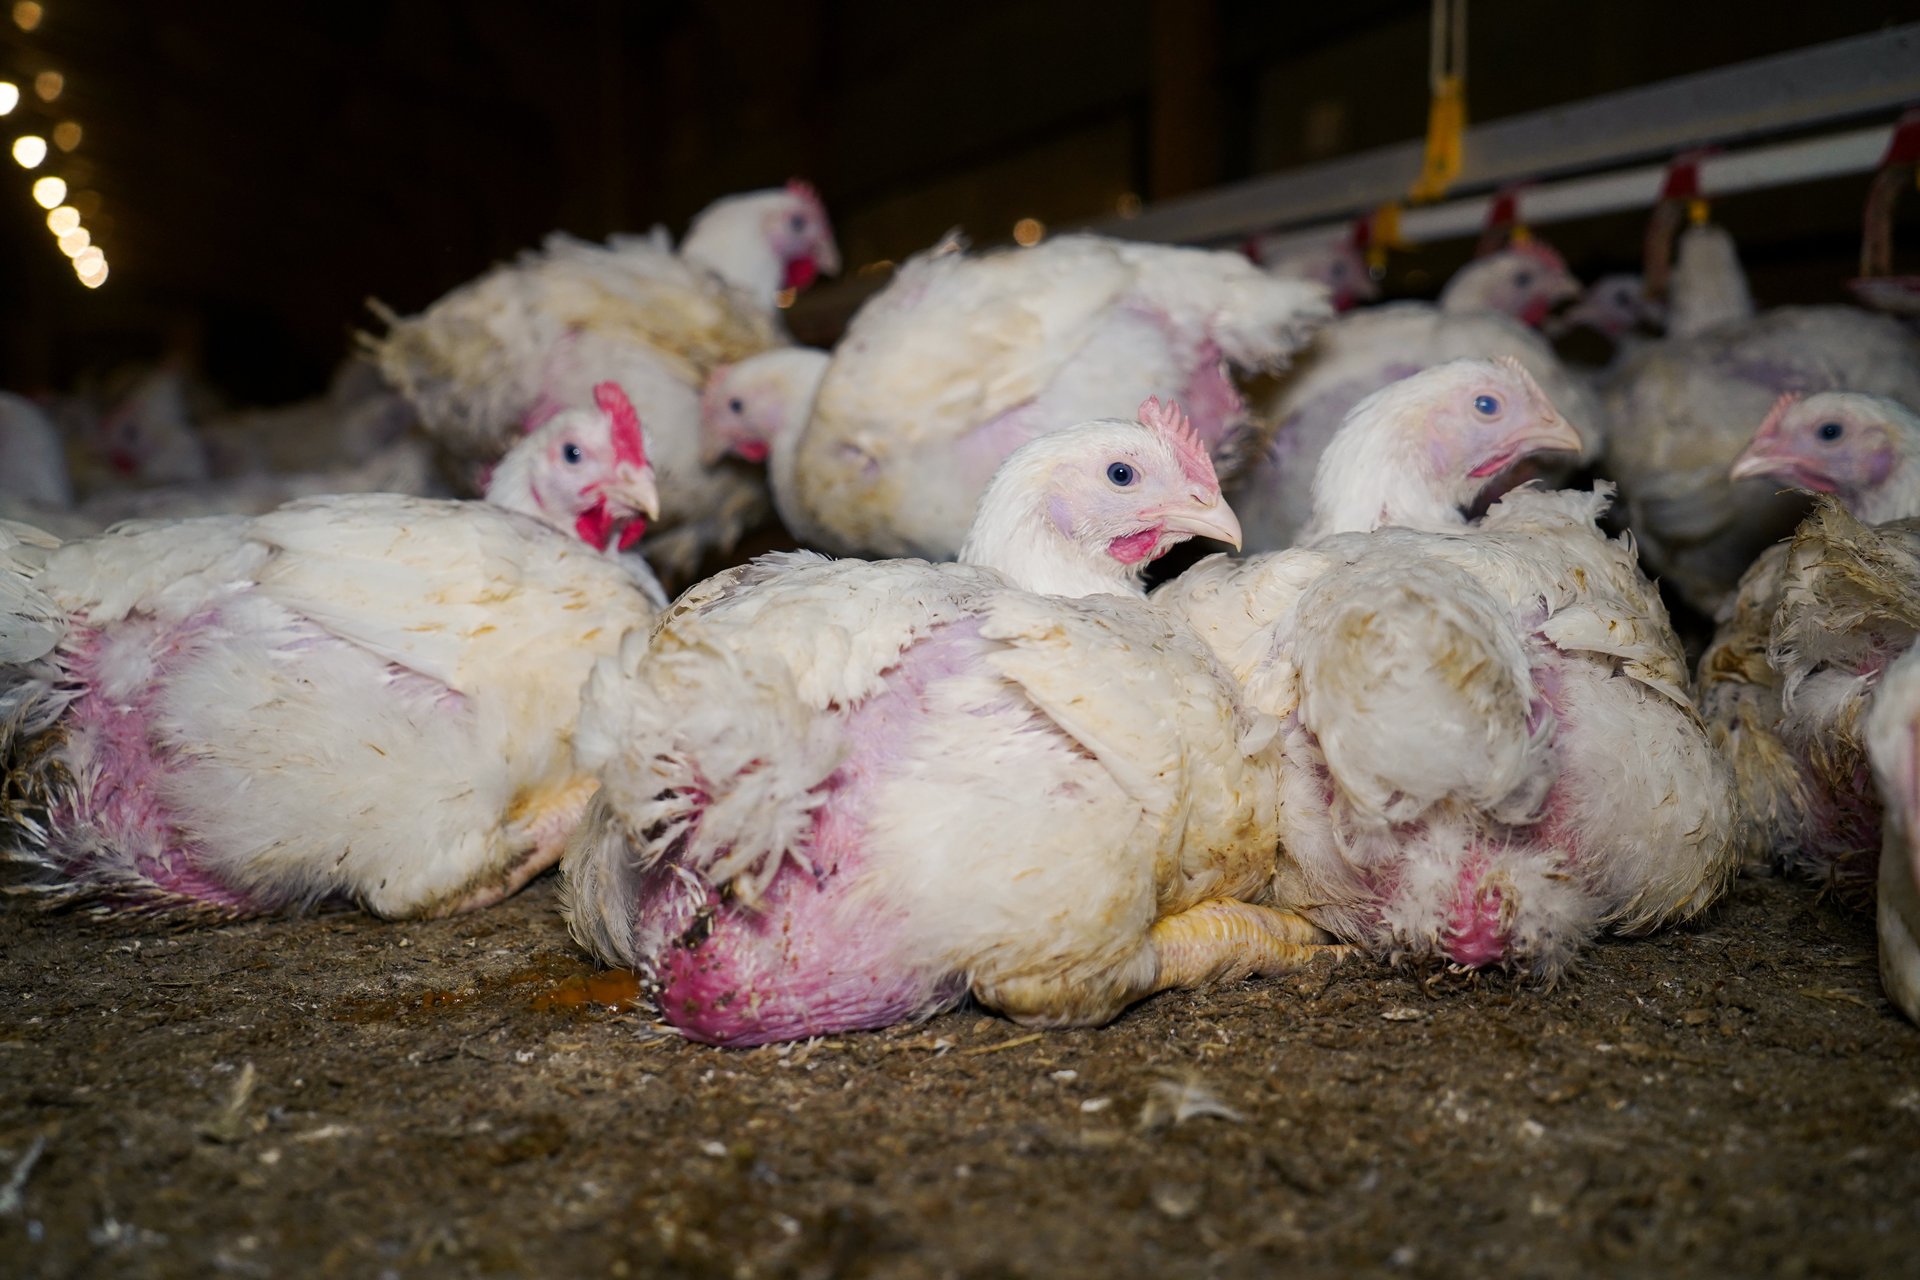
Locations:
{"points": [[1554, 435], [1754, 462], [634, 488], [1214, 520], [826, 256]]}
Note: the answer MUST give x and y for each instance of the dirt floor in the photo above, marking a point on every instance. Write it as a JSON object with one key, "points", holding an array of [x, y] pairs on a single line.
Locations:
{"points": [[339, 1096]]}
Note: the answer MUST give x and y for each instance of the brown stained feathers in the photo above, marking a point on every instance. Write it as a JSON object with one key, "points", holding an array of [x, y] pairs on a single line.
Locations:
{"points": [[1785, 685]]}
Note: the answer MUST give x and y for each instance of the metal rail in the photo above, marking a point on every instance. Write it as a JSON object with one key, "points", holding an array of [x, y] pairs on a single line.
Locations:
{"points": [[1826, 84]]}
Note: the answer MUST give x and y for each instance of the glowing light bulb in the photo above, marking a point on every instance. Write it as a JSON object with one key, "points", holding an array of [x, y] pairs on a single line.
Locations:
{"points": [[94, 276], [29, 151], [63, 220], [48, 85], [9, 97], [48, 192], [66, 135], [1027, 232], [89, 258], [27, 15], [75, 242]]}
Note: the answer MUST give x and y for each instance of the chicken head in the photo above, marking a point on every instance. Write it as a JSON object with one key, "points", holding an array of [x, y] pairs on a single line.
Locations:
{"points": [[585, 471]]}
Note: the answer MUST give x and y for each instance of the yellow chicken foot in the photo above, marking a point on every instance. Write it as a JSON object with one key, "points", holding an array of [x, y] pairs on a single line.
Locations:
{"points": [[1223, 939], [544, 820]]}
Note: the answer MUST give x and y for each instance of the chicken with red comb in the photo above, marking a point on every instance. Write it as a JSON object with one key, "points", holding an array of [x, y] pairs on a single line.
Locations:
{"points": [[585, 471], [368, 698], [500, 355]]}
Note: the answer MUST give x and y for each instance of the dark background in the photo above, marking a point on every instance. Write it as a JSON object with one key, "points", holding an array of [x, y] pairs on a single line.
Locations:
{"points": [[266, 167]]}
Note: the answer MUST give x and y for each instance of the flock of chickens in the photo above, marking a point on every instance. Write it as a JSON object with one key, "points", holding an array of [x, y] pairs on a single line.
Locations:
{"points": [[1437, 710]]}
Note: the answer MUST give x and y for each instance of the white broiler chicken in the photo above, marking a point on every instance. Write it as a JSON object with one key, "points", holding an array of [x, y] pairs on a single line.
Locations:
{"points": [[146, 437], [1708, 287], [1338, 264], [1785, 683], [755, 410], [1490, 754], [1615, 306], [357, 420], [368, 697], [1893, 746], [498, 355], [1484, 312], [1683, 409], [843, 794], [33, 458], [962, 358]]}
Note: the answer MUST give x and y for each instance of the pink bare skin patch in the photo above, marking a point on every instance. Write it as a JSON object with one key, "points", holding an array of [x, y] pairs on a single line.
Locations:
{"points": [[120, 811], [752, 450], [800, 963], [1475, 935], [1212, 402], [1132, 548]]}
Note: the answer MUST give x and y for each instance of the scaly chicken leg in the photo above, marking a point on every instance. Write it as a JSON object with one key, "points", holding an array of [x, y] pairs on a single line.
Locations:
{"points": [[1224, 939]]}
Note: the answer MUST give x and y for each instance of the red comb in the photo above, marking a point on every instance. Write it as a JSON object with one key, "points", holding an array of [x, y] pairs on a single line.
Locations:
{"points": [[1170, 420], [1683, 175], [628, 444]]}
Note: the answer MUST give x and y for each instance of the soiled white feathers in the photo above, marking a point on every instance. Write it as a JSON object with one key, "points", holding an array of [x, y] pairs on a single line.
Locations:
{"points": [[1070, 771], [1501, 708], [536, 335], [371, 696], [963, 358]]}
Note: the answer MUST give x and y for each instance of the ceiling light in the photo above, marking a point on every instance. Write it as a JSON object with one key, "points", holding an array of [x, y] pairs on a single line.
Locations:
{"points": [[63, 219], [29, 151], [75, 242], [48, 84], [66, 135], [9, 96], [48, 192], [27, 15]]}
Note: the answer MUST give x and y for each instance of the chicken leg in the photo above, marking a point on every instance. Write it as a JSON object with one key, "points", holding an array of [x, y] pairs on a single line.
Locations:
{"points": [[1223, 939]]}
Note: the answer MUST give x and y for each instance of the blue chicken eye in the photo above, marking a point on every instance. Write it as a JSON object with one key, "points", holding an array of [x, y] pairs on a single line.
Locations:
{"points": [[571, 453], [1830, 431], [1523, 278], [1486, 406], [737, 405], [1121, 474]]}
